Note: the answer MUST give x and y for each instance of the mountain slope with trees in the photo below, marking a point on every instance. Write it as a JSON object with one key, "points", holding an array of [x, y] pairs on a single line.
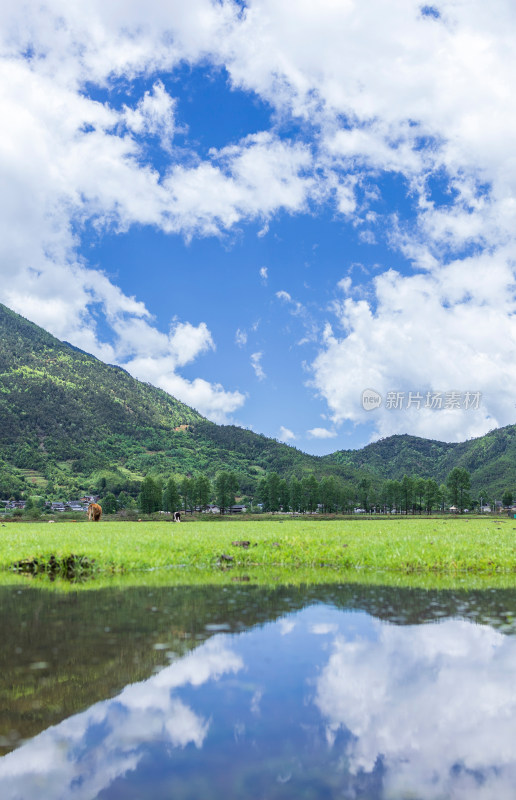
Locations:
{"points": [[490, 459], [68, 418], [69, 422]]}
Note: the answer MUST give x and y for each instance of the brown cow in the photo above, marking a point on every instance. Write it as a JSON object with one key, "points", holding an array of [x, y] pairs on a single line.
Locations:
{"points": [[94, 512]]}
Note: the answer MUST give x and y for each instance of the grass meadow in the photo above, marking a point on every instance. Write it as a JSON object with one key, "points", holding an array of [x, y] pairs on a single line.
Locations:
{"points": [[399, 546]]}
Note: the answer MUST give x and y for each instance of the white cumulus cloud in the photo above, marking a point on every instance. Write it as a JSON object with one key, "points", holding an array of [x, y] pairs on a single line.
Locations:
{"points": [[285, 434], [371, 90], [321, 433], [449, 330], [154, 114]]}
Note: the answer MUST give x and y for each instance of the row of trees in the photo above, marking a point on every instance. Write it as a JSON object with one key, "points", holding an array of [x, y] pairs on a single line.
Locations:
{"points": [[274, 493], [329, 495], [409, 495], [187, 494]]}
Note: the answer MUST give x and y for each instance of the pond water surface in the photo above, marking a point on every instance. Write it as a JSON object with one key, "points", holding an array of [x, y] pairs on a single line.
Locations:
{"points": [[245, 692]]}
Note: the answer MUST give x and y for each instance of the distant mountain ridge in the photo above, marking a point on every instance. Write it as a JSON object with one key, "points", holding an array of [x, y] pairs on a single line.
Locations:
{"points": [[65, 415], [491, 459]]}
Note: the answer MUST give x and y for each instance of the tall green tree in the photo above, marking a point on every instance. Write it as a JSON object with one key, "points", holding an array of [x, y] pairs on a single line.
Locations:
{"points": [[284, 495], [109, 504], [202, 491], [149, 499], [171, 496], [392, 495], [296, 495], [188, 494], [407, 492], [363, 492], [347, 498], [459, 484], [397, 496], [431, 496], [34, 506], [310, 493], [328, 495], [443, 495], [419, 492], [124, 500], [35, 501], [226, 486], [262, 493], [273, 488], [507, 498]]}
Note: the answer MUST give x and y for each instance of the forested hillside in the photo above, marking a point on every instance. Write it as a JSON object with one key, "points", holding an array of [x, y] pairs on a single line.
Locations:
{"points": [[490, 459], [66, 417], [69, 422]]}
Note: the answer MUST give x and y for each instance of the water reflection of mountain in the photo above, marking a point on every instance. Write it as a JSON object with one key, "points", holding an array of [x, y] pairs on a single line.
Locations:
{"points": [[63, 652]]}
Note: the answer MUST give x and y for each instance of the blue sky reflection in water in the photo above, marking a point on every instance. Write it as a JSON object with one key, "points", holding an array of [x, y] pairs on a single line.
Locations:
{"points": [[321, 703]]}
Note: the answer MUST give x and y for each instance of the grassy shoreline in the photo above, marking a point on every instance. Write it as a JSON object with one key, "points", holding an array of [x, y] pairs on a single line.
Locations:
{"points": [[423, 546]]}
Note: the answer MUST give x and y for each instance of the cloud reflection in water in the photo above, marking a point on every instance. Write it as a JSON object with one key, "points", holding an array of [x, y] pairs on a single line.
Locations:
{"points": [[328, 701], [435, 705], [84, 754]]}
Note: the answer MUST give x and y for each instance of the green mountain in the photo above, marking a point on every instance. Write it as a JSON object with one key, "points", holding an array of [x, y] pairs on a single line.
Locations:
{"points": [[65, 417], [490, 459]]}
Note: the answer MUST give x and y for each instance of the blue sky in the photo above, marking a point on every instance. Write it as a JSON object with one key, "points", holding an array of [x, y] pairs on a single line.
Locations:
{"points": [[266, 208]]}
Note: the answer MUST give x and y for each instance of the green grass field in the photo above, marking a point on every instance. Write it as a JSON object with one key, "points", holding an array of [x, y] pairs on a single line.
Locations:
{"points": [[425, 546]]}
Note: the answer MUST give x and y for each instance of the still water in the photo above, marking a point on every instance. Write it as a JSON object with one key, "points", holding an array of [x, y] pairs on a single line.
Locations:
{"points": [[245, 692]]}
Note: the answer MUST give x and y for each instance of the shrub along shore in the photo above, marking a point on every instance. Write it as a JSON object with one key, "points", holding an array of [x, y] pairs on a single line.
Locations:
{"points": [[403, 546]]}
